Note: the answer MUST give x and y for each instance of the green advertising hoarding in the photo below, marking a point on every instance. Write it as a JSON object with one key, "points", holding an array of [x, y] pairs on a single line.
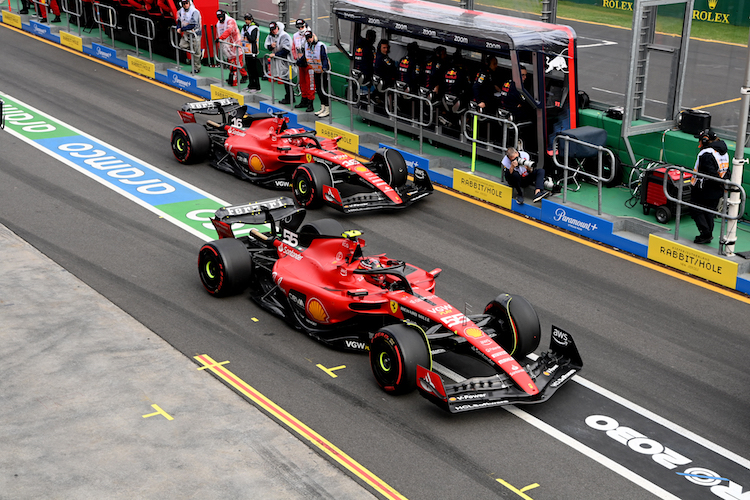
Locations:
{"points": [[734, 12]]}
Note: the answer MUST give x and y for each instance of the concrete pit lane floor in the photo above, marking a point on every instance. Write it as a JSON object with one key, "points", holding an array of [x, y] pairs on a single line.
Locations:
{"points": [[95, 405]]}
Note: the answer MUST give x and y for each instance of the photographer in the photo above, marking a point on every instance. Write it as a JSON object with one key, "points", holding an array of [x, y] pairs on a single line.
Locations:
{"points": [[520, 172]]}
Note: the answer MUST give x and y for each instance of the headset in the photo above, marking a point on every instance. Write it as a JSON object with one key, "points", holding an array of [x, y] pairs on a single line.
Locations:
{"points": [[706, 136]]}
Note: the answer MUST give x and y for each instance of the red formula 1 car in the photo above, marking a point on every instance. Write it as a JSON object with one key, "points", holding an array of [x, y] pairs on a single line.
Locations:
{"points": [[316, 276], [261, 149]]}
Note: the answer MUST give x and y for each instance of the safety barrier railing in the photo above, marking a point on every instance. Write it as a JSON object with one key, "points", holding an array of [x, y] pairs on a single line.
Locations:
{"points": [[135, 24], [232, 51], [77, 13], [474, 118], [174, 41], [578, 169], [352, 90], [729, 186], [286, 79], [419, 122], [108, 20]]}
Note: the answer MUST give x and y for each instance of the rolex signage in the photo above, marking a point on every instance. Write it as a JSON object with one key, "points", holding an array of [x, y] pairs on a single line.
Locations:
{"points": [[736, 12], [713, 11]]}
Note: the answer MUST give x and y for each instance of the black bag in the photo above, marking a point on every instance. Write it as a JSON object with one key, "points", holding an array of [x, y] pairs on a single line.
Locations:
{"points": [[302, 62]]}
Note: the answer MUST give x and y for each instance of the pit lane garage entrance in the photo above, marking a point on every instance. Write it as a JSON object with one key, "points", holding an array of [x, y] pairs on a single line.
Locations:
{"points": [[549, 95]]}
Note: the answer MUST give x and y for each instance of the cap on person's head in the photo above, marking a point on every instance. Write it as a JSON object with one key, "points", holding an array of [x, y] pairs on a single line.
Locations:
{"points": [[308, 34], [220, 14], [249, 16], [183, 2], [272, 25], [300, 23]]}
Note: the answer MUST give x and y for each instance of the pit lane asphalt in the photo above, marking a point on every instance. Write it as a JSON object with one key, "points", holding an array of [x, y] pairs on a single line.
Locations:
{"points": [[125, 414]]}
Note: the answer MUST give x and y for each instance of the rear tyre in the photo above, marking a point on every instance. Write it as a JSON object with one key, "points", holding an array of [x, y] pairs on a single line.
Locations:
{"points": [[517, 324], [225, 267], [190, 143], [323, 227], [308, 181], [395, 352]]}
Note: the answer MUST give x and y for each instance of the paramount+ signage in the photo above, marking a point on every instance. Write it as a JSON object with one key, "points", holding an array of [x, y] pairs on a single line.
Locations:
{"points": [[736, 12]]}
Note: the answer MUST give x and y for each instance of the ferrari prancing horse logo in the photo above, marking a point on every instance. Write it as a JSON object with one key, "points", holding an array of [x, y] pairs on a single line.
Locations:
{"points": [[394, 307]]}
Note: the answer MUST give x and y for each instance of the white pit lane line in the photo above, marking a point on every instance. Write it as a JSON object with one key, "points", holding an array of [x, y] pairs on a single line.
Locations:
{"points": [[526, 417]]}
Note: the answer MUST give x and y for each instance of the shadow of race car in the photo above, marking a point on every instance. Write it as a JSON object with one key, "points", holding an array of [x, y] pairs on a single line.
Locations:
{"points": [[316, 276], [261, 149]]}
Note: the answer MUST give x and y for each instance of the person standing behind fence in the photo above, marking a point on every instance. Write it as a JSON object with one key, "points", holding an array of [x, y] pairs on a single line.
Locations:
{"points": [[227, 31], [306, 79], [250, 41], [279, 43], [189, 27], [317, 58], [712, 160], [55, 10]]}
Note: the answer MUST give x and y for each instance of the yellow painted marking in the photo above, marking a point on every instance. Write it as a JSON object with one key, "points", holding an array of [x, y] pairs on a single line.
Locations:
{"points": [[255, 320], [329, 371], [718, 103], [159, 411], [211, 366], [520, 492], [301, 429]]}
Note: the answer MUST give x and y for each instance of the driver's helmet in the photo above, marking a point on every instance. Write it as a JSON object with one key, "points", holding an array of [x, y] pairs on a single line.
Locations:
{"points": [[369, 263]]}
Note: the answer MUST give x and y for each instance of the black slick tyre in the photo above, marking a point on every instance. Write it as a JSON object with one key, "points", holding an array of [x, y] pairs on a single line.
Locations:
{"points": [[308, 181], [225, 267], [395, 352], [390, 166], [517, 324], [190, 143]]}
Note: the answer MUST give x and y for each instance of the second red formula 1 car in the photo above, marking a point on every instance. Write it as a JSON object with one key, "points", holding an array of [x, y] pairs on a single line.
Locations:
{"points": [[316, 276], [261, 149]]}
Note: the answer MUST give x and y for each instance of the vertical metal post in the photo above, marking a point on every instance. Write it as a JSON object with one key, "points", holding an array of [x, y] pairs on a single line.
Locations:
{"points": [[738, 163], [549, 11]]}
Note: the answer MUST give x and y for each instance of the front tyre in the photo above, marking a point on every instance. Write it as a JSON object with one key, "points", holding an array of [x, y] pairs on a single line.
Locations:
{"points": [[517, 324], [391, 167], [225, 267], [190, 143], [308, 181], [395, 352]]}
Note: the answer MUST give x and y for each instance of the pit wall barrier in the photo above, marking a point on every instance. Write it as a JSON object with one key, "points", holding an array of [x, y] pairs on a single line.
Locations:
{"points": [[668, 252]]}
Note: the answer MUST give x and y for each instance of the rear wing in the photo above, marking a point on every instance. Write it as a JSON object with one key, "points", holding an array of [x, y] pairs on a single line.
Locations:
{"points": [[228, 106], [280, 210]]}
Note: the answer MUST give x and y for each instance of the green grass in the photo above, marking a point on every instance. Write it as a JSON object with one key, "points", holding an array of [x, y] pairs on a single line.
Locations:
{"points": [[587, 13]]}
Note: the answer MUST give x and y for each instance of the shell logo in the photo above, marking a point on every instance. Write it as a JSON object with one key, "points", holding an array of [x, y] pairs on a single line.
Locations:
{"points": [[394, 307], [256, 164], [316, 311], [473, 332], [361, 168], [308, 158]]}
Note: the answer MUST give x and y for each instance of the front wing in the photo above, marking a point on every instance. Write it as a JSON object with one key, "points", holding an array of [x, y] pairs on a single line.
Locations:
{"points": [[376, 200], [549, 372]]}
